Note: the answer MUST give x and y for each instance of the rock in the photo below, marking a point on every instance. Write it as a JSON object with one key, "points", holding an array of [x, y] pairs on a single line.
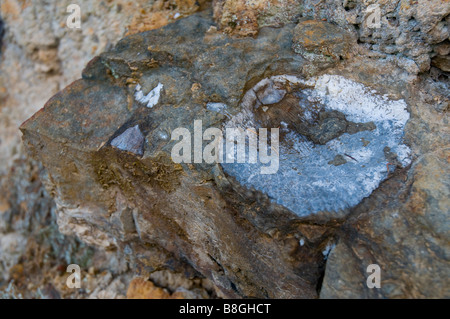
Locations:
{"points": [[38, 56], [143, 289], [222, 224], [407, 64], [245, 18], [131, 140], [338, 160], [395, 236], [31, 244], [323, 41], [443, 48], [441, 62], [178, 210], [409, 29]]}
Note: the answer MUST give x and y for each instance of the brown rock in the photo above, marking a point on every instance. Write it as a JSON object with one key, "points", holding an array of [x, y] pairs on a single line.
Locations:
{"points": [[442, 62], [196, 220], [323, 41]]}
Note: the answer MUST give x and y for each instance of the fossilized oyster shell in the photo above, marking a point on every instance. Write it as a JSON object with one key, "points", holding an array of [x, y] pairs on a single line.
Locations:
{"points": [[322, 119]]}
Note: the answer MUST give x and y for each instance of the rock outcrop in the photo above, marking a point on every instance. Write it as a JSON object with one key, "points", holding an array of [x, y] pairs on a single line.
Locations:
{"points": [[407, 32], [105, 141]]}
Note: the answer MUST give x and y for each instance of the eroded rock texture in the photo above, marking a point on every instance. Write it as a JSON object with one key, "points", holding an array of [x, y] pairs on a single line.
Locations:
{"points": [[39, 55], [108, 157], [405, 31]]}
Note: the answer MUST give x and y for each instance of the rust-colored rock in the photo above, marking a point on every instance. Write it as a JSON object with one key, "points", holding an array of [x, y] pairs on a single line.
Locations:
{"points": [[320, 40]]}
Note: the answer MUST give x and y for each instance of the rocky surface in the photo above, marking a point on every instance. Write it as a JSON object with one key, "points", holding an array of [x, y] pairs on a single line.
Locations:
{"points": [[114, 188], [35, 255], [408, 32], [39, 55], [200, 232], [194, 230], [334, 44]]}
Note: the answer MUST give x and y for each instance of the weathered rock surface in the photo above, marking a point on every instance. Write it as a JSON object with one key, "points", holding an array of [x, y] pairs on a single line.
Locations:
{"points": [[409, 32], [140, 288], [442, 62], [183, 218], [335, 43], [404, 233], [195, 218], [34, 254], [40, 55], [403, 225]]}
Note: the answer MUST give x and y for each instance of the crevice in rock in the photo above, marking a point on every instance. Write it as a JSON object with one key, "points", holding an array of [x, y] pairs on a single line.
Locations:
{"points": [[2, 33]]}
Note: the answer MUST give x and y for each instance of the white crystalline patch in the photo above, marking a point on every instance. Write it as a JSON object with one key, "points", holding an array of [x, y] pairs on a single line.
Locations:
{"points": [[131, 140], [287, 78], [308, 115], [151, 99], [357, 102]]}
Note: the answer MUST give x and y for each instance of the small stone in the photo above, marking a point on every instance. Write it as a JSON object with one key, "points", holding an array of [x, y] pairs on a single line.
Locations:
{"points": [[131, 140], [365, 142], [143, 289], [328, 129], [271, 95], [442, 49], [322, 41]]}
